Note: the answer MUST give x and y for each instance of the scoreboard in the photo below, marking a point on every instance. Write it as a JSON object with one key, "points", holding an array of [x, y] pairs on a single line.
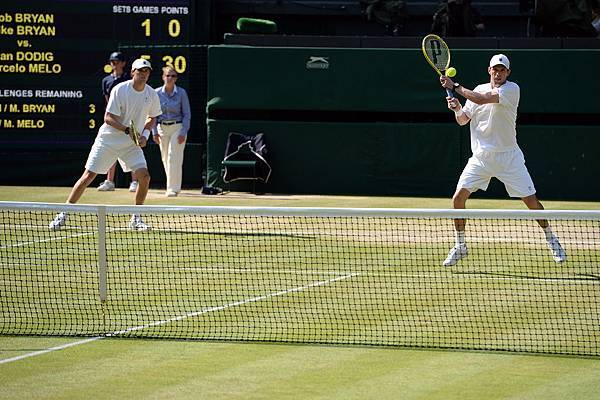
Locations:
{"points": [[54, 54]]}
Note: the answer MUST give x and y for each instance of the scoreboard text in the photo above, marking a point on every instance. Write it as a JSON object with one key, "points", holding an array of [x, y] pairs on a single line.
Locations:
{"points": [[54, 54]]}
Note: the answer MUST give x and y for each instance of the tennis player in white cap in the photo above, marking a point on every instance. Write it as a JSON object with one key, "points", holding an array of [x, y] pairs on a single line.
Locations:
{"points": [[132, 100], [491, 108]]}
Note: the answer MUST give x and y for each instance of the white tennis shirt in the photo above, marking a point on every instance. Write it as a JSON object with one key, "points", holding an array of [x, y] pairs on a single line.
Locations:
{"points": [[493, 125], [128, 104]]}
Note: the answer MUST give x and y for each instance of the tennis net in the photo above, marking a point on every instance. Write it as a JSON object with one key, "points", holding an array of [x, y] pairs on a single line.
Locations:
{"points": [[309, 275]]}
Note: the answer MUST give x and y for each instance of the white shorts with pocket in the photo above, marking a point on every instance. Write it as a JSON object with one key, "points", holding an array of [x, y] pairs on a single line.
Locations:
{"points": [[508, 166], [109, 148]]}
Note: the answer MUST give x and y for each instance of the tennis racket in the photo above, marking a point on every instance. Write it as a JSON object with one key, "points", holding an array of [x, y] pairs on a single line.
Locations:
{"points": [[437, 54], [134, 133]]}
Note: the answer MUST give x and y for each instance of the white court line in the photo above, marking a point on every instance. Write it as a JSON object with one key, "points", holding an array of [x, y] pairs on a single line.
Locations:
{"points": [[237, 303], [180, 317], [60, 237], [40, 352], [46, 240], [8, 227]]}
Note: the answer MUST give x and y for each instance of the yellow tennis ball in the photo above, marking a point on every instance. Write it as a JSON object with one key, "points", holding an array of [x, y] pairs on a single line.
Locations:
{"points": [[451, 72]]}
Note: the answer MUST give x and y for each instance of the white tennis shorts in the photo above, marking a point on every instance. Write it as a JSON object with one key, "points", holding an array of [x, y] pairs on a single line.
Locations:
{"points": [[109, 148], [508, 166]]}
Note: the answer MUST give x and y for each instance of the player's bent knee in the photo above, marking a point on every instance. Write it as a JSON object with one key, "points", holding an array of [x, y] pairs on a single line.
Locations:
{"points": [[458, 203], [88, 177], [532, 202], [143, 176], [459, 199]]}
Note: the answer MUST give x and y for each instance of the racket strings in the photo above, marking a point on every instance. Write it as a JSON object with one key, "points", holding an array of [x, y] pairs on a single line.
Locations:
{"points": [[437, 52]]}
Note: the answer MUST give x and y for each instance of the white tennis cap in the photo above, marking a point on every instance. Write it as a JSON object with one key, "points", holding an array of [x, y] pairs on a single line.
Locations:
{"points": [[500, 59], [141, 63]]}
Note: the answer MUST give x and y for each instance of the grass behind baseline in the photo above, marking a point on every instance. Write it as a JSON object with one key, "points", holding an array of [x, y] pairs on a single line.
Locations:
{"points": [[194, 197]]}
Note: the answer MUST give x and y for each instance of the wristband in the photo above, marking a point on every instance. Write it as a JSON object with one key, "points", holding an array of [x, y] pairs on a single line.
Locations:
{"points": [[459, 112], [146, 133]]}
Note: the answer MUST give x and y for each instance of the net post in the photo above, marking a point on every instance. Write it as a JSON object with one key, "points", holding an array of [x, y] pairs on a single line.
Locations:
{"points": [[102, 253]]}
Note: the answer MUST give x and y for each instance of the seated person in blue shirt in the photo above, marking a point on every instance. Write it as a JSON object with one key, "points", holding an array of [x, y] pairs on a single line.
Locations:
{"points": [[172, 128]]}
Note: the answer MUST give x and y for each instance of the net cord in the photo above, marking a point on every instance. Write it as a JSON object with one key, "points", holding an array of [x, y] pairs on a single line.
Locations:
{"points": [[311, 211]]}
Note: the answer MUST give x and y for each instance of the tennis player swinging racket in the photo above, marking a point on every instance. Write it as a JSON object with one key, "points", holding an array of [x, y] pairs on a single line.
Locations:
{"points": [[491, 111]]}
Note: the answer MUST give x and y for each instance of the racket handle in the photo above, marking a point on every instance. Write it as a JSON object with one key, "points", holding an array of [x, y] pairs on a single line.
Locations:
{"points": [[450, 93]]}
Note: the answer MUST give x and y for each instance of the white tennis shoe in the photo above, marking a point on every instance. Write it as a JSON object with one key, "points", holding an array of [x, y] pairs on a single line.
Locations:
{"points": [[58, 222], [456, 253], [106, 186], [558, 253], [136, 223], [133, 186]]}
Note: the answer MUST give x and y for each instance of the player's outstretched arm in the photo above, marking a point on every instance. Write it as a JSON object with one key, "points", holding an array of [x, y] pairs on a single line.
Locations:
{"points": [[479, 98], [476, 97]]}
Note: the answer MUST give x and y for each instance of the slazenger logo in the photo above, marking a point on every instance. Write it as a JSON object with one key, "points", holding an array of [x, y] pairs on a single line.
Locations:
{"points": [[317, 63]]}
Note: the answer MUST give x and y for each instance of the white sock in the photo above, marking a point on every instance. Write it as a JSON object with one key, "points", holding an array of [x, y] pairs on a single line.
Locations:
{"points": [[460, 238], [548, 233]]}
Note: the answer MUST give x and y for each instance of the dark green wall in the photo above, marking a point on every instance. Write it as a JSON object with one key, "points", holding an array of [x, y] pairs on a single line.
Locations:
{"points": [[564, 161], [405, 159], [396, 80], [392, 156], [348, 158]]}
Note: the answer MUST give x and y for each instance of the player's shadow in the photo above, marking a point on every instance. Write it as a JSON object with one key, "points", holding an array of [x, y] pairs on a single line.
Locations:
{"points": [[576, 277], [227, 233]]}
